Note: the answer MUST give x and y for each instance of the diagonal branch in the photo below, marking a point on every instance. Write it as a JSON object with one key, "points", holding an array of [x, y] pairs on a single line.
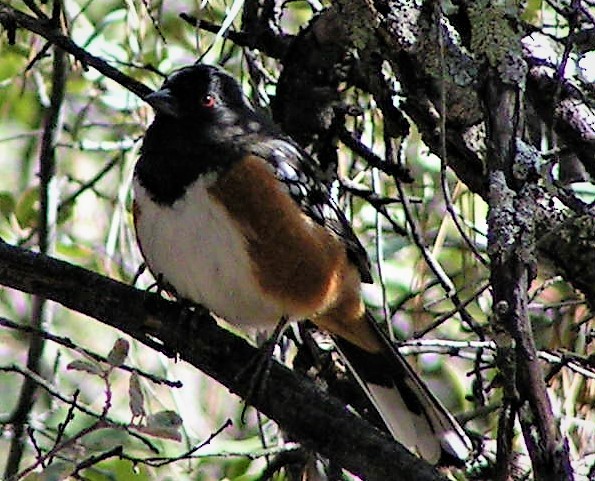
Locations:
{"points": [[321, 423], [11, 17]]}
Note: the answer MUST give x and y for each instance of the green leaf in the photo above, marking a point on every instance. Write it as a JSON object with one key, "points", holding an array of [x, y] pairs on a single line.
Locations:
{"points": [[164, 424], [65, 213], [116, 469], [57, 471], [137, 398], [119, 352], [164, 419], [27, 208], [85, 366], [532, 11], [7, 204], [160, 432]]}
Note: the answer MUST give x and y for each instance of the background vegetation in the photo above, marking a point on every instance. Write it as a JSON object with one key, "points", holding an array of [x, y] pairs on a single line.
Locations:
{"points": [[460, 139]]}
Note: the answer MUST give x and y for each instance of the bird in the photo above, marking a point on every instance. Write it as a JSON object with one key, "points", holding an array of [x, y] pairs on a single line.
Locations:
{"points": [[231, 214]]}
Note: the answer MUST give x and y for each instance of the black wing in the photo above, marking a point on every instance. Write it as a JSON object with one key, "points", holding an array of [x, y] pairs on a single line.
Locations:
{"points": [[296, 169]]}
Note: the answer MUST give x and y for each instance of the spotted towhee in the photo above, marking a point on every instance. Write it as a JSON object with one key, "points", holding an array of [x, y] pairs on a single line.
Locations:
{"points": [[229, 214]]}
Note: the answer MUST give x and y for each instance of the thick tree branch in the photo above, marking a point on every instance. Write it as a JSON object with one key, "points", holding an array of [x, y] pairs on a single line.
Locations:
{"points": [[406, 36], [560, 104], [465, 136], [568, 242], [563, 239], [511, 246], [307, 414]]}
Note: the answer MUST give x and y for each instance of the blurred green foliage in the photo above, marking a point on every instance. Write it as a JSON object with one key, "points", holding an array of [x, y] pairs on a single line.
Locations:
{"points": [[102, 123]]}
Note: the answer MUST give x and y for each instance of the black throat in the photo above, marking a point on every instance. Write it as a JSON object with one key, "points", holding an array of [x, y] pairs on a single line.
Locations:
{"points": [[174, 156]]}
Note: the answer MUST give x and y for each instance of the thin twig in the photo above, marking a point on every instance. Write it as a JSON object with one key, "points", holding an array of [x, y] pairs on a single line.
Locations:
{"points": [[97, 425], [162, 461], [97, 458], [447, 315], [443, 151], [47, 224], [266, 41], [379, 203], [66, 342], [454, 348], [69, 417], [392, 169], [56, 393], [36, 10], [11, 15], [436, 268]]}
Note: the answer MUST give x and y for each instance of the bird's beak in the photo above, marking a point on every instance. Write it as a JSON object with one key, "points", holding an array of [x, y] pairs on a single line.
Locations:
{"points": [[163, 102]]}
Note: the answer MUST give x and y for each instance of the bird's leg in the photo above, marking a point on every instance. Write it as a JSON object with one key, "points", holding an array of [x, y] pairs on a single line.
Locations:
{"points": [[189, 311], [139, 272], [162, 286], [160, 283], [261, 364]]}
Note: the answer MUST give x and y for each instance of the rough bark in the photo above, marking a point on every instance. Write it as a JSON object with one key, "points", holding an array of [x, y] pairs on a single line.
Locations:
{"points": [[319, 422]]}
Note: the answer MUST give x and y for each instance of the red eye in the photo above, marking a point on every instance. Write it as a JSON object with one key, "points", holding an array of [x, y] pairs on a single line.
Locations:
{"points": [[208, 101]]}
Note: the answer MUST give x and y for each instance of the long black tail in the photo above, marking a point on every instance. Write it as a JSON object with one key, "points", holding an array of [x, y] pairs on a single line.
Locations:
{"points": [[411, 413]]}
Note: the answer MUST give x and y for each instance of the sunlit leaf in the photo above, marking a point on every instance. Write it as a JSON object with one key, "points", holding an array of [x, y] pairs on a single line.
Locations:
{"points": [[27, 208], [84, 366], [164, 419], [56, 471], [136, 396], [172, 433], [119, 352], [7, 204]]}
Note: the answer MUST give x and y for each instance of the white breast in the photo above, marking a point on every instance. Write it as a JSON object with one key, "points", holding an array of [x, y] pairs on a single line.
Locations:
{"points": [[200, 252]]}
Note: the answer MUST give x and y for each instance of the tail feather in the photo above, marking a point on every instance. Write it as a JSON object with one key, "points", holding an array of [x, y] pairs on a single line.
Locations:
{"points": [[411, 413]]}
